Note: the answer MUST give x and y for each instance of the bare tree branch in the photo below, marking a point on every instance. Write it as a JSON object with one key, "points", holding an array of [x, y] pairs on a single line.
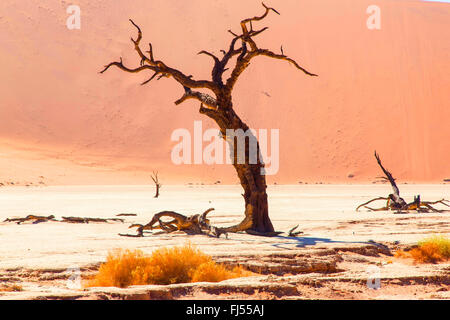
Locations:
{"points": [[246, 35], [245, 55], [268, 53], [121, 66], [204, 98], [209, 54], [150, 79], [148, 62], [388, 176]]}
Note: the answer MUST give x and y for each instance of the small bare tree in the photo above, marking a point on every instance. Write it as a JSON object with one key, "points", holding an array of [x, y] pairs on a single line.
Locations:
{"points": [[218, 106], [157, 184]]}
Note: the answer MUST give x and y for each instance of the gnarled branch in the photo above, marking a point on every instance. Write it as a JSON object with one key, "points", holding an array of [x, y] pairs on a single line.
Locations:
{"points": [[388, 177], [204, 98], [194, 224], [245, 54], [370, 201], [159, 67], [244, 62], [246, 34], [245, 57]]}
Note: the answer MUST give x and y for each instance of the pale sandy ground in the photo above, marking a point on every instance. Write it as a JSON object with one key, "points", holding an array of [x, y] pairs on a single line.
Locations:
{"points": [[381, 89], [329, 261]]}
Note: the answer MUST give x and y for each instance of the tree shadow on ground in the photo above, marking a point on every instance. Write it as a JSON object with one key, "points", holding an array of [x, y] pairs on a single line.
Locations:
{"points": [[301, 242]]}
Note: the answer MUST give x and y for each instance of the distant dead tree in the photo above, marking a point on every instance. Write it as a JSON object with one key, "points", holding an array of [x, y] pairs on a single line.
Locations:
{"points": [[157, 184], [217, 104], [397, 203]]}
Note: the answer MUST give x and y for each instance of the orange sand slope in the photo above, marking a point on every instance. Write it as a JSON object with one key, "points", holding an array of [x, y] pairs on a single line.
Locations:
{"points": [[377, 89]]}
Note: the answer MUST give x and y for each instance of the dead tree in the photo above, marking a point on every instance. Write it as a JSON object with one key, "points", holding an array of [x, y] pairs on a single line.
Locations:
{"points": [[396, 203], [157, 184], [217, 104]]}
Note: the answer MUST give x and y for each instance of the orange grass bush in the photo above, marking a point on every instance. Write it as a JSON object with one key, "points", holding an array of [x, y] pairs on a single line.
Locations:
{"points": [[430, 250], [214, 272], [124, 268], [10, 288]]}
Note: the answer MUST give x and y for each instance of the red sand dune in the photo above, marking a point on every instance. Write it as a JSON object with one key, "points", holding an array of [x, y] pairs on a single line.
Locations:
{"points": [[382, 89]]}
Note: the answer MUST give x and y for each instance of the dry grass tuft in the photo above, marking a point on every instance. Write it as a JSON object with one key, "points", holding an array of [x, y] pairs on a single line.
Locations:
{"points": [[124, 268], [431, 250]]}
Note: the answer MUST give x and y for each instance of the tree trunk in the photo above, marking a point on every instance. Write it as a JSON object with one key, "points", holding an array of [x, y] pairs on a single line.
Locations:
{"points": [[251, 175], [256, 205]]}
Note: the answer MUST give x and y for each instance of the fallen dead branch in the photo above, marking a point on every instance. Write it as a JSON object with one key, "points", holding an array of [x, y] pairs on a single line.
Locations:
{"points": [[37, 219], [396, 203], [194, 224], [87, 220], [293, 233]]}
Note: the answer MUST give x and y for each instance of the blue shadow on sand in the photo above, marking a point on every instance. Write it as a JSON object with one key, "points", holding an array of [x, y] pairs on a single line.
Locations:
{"points": [[311, 241]]}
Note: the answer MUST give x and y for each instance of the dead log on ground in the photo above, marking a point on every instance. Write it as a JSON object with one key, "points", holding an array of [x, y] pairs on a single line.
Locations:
{"points": [[87, 220], [194, 224], [35, 219]]}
